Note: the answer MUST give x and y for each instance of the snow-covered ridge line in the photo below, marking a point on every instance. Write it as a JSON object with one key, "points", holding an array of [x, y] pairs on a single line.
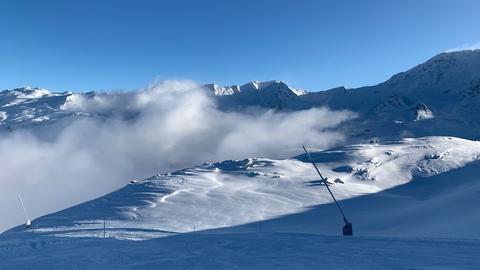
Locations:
{"points": [[440, 96], [251, 86], [27, 106]]}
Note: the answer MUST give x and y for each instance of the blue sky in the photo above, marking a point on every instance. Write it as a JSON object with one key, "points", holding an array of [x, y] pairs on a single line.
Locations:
{"points": [[105, 45]]}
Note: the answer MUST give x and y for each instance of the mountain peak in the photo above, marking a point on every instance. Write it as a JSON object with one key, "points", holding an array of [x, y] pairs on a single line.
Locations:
{"points": [[253, 86], [259, 85], [446, 72], [222, 90], [28, 92]]}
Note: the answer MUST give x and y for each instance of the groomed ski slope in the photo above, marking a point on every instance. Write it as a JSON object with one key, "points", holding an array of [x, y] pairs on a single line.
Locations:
{"points": [[413, 204], [240, 251]]}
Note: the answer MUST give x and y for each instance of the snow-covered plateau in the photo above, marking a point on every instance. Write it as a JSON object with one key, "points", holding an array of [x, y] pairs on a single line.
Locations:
{"points": [[405, 174]]}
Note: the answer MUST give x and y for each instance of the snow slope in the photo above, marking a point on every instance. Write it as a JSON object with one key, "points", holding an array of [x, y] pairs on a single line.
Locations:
{"points": [[233, 193], [413, 204], [240, 251], [447, 84], [28, 106]]}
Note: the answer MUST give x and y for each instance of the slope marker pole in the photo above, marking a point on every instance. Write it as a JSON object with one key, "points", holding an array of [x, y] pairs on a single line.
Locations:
{"points": [[27, 222]]}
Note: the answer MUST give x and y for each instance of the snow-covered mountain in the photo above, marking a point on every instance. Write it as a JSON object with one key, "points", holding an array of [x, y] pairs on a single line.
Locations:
{"points": [[253, 86], [445, 87], [29, 107], [22, 107], [270, 95], [438, 97], [396, 184]]}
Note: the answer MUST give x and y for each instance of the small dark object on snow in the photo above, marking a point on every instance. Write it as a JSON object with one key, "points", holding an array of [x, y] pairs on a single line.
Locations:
{"points": [[338, 180], [348, 228], [252, 174]]}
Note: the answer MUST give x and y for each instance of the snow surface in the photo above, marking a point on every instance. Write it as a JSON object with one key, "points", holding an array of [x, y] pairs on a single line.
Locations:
{"points": [[240, 251], [232, 193], [276, 214]]}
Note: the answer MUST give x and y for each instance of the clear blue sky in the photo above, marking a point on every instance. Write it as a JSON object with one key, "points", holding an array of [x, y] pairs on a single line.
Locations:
{"points": [[102, 45]]}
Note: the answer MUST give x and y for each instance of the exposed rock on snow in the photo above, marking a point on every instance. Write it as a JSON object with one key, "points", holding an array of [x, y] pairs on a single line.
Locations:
{"points": [[423, 112]]}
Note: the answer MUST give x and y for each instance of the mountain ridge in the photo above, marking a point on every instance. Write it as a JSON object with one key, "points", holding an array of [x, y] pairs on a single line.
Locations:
{"points": [[448, 84]]}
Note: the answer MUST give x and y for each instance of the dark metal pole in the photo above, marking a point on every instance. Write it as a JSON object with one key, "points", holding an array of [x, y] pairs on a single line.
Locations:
{"points": [[326, 184]]}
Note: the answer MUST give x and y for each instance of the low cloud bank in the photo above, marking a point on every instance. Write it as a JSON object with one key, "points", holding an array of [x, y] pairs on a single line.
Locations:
{"points": [[165, 127]]}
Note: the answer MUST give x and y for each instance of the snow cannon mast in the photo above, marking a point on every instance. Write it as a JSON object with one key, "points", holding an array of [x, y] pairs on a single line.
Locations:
{"points": [[348, 228]]}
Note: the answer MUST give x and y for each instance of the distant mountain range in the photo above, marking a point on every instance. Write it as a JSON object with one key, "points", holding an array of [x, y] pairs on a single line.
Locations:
{"points": [[438, 97]]}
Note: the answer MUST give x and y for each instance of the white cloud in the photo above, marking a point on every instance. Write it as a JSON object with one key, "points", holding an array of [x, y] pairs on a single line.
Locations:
{"points": [[176, 124], [466, 47]]}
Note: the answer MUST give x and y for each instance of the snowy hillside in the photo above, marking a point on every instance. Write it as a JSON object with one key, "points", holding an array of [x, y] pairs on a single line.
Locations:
{"points": [[232, 193], [225, 214], [447, 87], [29, 106]]}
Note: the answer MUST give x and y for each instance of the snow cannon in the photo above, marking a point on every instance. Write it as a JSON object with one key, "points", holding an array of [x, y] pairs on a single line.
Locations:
{"points": [[348, 228]]}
